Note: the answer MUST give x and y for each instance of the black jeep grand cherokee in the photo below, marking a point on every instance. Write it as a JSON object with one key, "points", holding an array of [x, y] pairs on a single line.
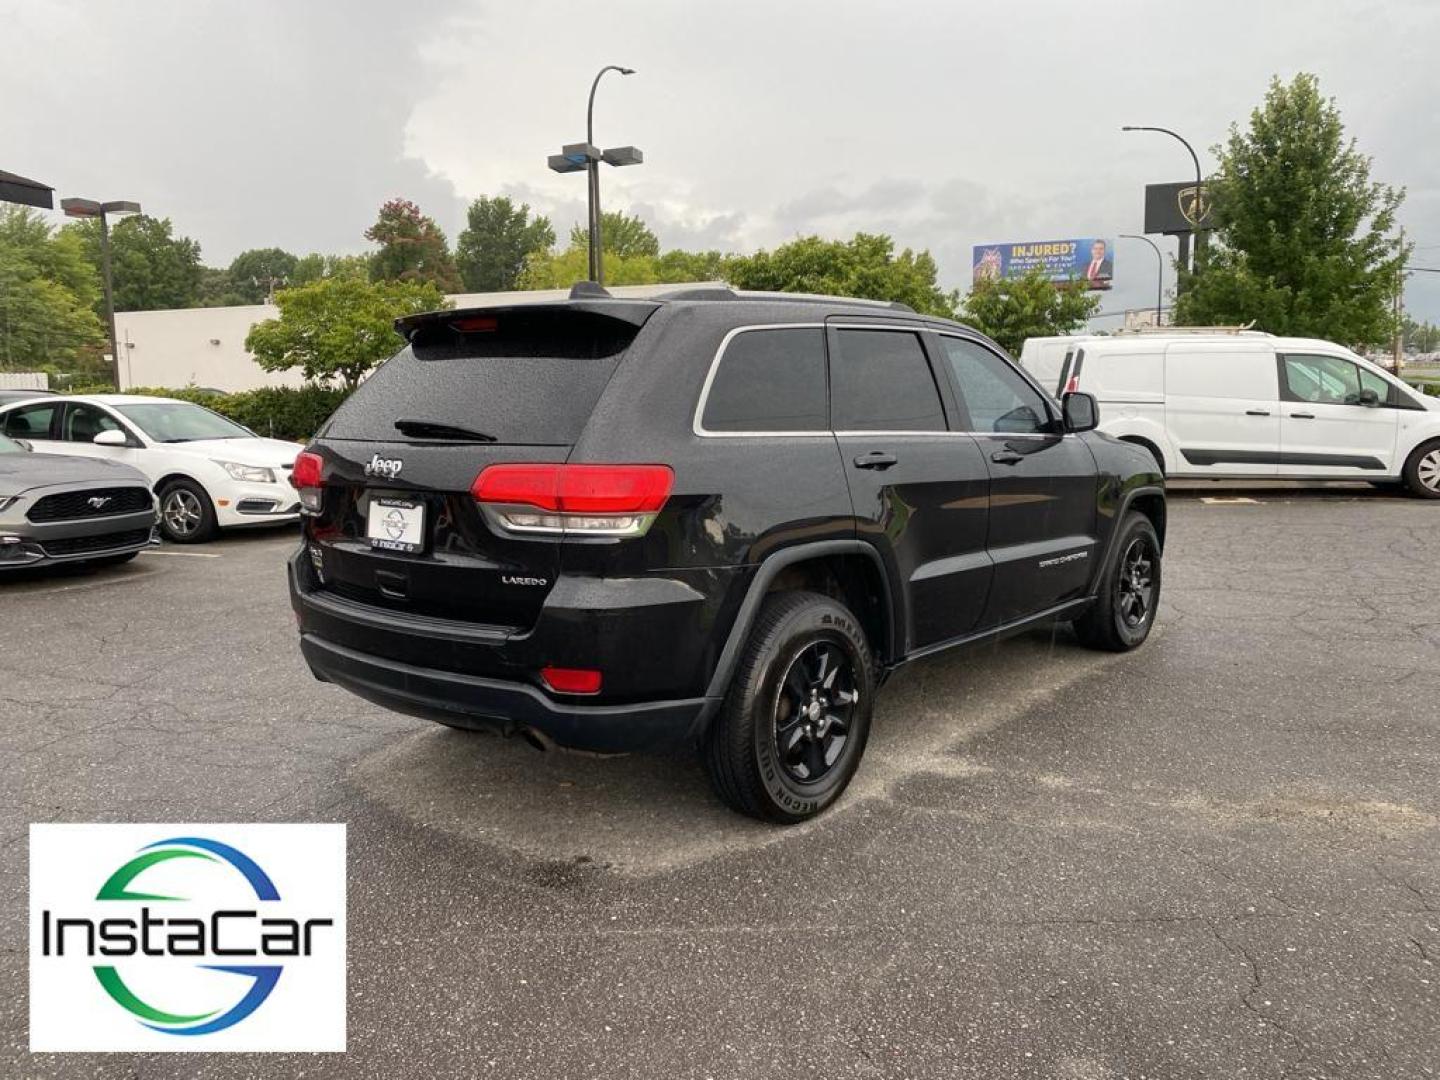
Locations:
{"points": [[610, 524]]}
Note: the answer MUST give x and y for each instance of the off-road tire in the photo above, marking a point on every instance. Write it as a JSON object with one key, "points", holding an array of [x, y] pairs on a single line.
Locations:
{"points": [[741, 748], [1108, 623]]}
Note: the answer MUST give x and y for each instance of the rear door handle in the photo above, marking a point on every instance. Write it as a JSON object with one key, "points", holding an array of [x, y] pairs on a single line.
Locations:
{"points": [[1302, 416], [1257, 412], [876, 459], [1006, 457]]}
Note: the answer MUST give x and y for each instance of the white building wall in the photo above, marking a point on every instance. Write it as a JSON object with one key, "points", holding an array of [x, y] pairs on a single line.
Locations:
{"points": [[205, 347], [194, 347]]}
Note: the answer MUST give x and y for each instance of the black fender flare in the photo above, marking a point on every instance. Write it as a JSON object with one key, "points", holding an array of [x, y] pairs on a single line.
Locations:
{"points": [[1126, 500], [755, 595]]}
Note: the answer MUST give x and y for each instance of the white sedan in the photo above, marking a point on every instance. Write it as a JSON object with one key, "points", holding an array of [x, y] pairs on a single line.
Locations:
{"points": [[209, 472]]}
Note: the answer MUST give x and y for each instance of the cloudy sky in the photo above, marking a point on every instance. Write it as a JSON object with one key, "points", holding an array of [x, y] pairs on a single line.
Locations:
{"points": [[947, 123]]}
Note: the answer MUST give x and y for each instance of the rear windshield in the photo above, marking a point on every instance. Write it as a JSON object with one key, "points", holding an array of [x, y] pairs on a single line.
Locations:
{"points": [[520, 378]]}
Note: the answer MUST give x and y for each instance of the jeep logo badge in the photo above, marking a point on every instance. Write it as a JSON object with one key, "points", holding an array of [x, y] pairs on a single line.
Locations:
{"points": [[385, 468]]}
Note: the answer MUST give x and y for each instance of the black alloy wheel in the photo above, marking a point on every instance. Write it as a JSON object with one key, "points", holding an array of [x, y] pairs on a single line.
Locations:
{"points": [[813, 711], [1135, 585]]}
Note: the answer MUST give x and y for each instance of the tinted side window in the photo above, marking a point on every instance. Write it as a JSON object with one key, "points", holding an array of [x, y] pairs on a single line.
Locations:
{"points": [[30, 423], [770, 380], [1321, 380], [994, 394], [881, 381]]}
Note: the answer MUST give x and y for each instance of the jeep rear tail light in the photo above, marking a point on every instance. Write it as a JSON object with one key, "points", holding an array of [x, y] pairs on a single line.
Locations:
{"points": [[574, 501], [306, 478]]}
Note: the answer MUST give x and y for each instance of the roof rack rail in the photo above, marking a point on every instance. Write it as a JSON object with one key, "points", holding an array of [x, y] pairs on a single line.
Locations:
{"points": [[723, 292], [701, 292], [1248, 328]]}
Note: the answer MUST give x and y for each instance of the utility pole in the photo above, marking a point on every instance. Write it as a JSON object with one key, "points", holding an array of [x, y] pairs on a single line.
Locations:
{"points": [[1399, 360]]}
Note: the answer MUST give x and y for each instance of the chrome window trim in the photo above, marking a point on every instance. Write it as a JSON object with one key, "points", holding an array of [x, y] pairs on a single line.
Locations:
{"points": [[699, 428]]}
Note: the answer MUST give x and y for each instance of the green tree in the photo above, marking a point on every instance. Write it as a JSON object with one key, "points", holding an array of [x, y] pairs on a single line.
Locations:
{"points": [[545, 270], [620, 234], [47, 294], [151, 267], [412, 248], [311, 268], [338, 328], [253, 272], [1304, 235], [864, 266], [1031, 306], [497, 240], [218, 290]]}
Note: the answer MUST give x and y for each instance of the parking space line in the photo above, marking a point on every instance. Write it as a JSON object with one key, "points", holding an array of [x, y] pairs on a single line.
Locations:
{"points": [[1230, 500], [183, 554], [77, 588]]}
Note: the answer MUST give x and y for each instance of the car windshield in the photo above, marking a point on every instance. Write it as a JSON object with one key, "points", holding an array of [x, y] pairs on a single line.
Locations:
{"points": [[10, 446], [180, 421]]}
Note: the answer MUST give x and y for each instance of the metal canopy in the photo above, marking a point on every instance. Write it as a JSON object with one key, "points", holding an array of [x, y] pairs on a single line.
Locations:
{"points": [[18, 189]]}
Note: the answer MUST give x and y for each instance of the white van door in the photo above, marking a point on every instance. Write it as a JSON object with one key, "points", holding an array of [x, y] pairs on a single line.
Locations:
{"points": [[1222, 408], [1336, 418]]}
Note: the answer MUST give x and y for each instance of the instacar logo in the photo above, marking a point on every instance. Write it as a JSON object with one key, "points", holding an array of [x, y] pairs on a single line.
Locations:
{"points": [[188, 943]]}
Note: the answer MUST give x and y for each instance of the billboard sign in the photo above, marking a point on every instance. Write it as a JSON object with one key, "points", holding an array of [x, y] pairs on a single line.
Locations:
{"points": [[1088, 259], [1176, 208]]}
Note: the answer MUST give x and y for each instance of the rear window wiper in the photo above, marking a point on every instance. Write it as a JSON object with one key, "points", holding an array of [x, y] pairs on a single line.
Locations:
{"points": [[434, 430]]}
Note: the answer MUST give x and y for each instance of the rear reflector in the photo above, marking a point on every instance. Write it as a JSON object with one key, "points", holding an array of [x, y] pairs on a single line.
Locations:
{"points": [[1073, 385], [580, 500], [571, 680]]}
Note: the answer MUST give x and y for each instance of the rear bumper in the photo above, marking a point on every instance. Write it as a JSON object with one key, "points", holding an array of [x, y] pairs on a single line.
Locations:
{"points": [[508, 708], [470, 675]]}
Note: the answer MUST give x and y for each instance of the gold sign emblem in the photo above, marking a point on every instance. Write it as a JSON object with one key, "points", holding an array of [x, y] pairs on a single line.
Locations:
{"points": [[1194, 204]]}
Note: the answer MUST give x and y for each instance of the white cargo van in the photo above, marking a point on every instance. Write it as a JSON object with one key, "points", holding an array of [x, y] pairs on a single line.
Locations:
{"points": [[1243, 404]]}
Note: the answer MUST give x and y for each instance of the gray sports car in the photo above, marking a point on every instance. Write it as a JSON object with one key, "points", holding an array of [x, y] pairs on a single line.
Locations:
{"points": [[55, 508]]}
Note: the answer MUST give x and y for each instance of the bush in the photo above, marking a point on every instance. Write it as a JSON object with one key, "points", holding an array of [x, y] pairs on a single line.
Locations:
{"points": [[279, 412]]}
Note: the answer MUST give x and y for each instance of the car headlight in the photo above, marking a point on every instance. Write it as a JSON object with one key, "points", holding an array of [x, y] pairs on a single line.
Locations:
{"points": [[253, 474]]}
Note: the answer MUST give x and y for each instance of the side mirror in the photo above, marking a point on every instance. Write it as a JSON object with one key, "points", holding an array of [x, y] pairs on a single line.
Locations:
{"points": [[111, 438], [1369, 398], [1082, 412]]}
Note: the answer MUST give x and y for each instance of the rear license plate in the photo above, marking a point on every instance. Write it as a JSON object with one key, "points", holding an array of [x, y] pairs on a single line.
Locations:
{"points": [[396, 525]]}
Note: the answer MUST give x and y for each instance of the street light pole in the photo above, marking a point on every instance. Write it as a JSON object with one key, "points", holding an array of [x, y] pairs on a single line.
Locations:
{"points": [[1199, 179], [576, 156], [89, 208], [597, 251], [1159, 271]]}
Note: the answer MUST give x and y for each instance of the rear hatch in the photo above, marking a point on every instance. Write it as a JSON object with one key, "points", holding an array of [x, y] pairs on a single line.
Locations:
{"points": [[399, 528]]}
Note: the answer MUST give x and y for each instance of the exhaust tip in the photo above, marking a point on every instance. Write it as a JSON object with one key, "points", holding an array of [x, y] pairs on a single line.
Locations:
{"points": [[535, 739]]}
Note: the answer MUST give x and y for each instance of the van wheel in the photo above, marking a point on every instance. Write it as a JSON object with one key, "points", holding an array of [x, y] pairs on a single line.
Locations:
{"points": [[1124, 608], [795, 720], [1422, 470]]}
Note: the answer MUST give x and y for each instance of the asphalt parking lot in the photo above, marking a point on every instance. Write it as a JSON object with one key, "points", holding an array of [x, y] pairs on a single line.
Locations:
{"points": [[1216, 857]]}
